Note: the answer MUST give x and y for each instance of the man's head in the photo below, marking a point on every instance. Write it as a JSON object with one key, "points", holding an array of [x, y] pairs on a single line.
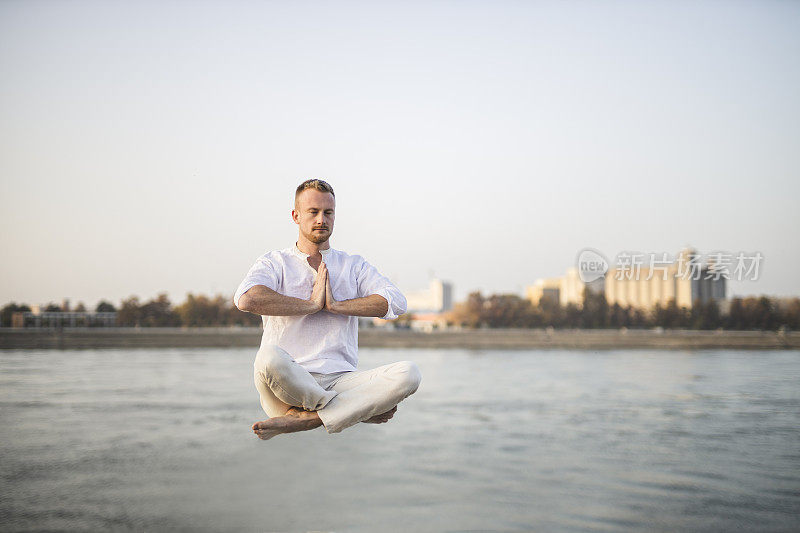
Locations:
{"points": [[314, 210]]}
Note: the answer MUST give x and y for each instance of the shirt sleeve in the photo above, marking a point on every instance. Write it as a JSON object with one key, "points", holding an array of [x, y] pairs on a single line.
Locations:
{"points": [[370, 281], [263, 272]]}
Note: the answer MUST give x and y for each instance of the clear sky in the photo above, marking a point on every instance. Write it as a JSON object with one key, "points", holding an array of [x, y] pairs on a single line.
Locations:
{"points": [[155, 146]]}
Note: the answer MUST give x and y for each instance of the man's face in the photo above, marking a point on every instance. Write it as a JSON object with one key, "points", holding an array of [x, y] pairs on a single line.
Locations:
{"points": [[314, 212]]}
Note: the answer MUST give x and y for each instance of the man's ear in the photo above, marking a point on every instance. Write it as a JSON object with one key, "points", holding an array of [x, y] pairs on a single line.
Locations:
{"points": [[295, 215]]}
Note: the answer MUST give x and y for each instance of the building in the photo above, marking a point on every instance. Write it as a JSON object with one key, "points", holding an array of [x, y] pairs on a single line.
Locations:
{"points": [[60, 319], [437, 298], [685, 280], [565, 290], [544, 290]]}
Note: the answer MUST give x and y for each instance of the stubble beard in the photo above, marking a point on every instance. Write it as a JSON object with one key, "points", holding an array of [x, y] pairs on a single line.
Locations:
{"points": [[319, 238]]}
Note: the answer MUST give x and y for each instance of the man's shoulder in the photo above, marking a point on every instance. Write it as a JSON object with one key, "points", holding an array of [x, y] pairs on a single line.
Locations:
{"points": [[277, 257], [344, 256]]}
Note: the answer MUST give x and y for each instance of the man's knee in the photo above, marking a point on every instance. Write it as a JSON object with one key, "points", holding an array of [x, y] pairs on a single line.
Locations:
{"points": [[409, 376], [271, 360]]}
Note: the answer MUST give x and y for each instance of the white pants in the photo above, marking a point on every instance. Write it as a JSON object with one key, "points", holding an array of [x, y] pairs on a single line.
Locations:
{"points": [[341, 399]]}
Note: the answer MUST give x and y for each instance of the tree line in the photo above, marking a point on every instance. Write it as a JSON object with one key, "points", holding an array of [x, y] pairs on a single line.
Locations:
{"points": [[195, 311], [511, 311], [494, 311]]}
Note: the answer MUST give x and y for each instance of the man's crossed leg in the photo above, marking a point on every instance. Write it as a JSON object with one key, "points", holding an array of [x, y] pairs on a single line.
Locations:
{"points": [[297, 400]]}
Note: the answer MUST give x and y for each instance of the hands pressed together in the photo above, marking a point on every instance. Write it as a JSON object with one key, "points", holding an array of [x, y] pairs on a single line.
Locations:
{"points": [[322, 298], [321, 293]]}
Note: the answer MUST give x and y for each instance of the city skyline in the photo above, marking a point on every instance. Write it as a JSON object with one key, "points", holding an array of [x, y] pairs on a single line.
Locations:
{"points": [[572, 284], [486, 143]]}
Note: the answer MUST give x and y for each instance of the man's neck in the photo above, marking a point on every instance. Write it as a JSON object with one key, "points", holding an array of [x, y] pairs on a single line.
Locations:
{"points": [[311, 248]]}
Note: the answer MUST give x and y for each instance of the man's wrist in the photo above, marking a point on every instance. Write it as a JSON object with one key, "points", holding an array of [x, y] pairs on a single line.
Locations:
{"points": [[313, 307]]}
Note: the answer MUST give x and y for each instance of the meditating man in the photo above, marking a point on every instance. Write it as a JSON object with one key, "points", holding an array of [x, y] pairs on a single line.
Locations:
{"points": [[309, 297]]}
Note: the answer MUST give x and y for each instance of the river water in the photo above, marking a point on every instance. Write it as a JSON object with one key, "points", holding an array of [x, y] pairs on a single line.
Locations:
{"points": [[493, 440]]}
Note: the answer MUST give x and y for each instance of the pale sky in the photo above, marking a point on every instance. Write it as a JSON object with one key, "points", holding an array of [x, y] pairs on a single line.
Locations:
{"points": [[155, 146]]}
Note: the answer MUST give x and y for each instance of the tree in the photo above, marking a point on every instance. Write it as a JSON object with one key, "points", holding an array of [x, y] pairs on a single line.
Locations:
{"points": [[198, 311], [595, 309], [105, 307], [506, 311], [736, 315], [469, 313], [8, 311], [791, 314], [552, 314], [705, 315], [159, 313], [130, 313], [573, 316], [671, 316]]}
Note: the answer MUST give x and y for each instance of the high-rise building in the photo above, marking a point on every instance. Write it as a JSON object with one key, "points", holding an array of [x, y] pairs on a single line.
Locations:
{"points": [[437, 298], [565, 290], [686, 281]]}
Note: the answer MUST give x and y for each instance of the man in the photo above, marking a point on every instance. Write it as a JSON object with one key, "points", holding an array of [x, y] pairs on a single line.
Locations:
{"points": [[310, 296]]}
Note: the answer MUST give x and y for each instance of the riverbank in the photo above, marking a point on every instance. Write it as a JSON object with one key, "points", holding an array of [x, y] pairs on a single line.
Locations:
{"points": [[89, 338]]}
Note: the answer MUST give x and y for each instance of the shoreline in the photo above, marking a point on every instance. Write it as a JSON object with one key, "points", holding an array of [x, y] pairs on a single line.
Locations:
{"points": [[582, 339]]}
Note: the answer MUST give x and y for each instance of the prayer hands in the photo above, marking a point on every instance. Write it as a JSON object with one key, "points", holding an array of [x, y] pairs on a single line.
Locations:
{"points": [[319, 290], [330, 303]]}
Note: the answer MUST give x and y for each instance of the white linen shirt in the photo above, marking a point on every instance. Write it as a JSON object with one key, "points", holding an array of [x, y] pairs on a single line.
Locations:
{"points": [[322, 342]]}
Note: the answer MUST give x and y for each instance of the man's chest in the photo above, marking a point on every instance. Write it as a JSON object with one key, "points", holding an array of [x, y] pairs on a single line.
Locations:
{"points": [[314, 262], [299, 278]]}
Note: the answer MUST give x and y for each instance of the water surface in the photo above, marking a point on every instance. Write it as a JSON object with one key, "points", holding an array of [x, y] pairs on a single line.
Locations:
{"points": [[493, 440]]}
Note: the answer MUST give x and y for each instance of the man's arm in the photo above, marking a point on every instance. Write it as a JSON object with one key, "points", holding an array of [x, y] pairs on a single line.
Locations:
{"points": [[372, 305], [261, 300]]}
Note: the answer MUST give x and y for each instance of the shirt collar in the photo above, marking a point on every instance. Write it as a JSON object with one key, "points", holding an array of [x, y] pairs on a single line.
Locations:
{"points": [[299, 252]]}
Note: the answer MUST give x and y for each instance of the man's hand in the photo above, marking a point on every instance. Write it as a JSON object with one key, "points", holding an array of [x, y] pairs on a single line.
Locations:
{"points": [[372, 305], [320, 285], [330, 303]]}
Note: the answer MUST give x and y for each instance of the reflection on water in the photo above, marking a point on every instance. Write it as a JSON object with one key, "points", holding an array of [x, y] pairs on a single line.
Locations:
{"points": [[493, 440]]}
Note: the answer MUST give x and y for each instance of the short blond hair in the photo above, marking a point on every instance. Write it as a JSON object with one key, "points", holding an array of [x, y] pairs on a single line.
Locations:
{"points": [[316, 184]]}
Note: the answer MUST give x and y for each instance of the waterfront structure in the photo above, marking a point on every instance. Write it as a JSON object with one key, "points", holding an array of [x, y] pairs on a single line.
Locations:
{"points": [[686, 281], [60, 319], [437, 298], [565, 290], [544, 290]]}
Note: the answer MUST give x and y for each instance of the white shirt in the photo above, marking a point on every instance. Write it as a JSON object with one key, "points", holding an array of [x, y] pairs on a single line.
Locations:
{"points": [[322, 342]]}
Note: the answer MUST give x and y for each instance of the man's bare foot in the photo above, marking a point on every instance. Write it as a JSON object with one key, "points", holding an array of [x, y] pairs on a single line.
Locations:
{"points": [[293, 421], [383, 417]]}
